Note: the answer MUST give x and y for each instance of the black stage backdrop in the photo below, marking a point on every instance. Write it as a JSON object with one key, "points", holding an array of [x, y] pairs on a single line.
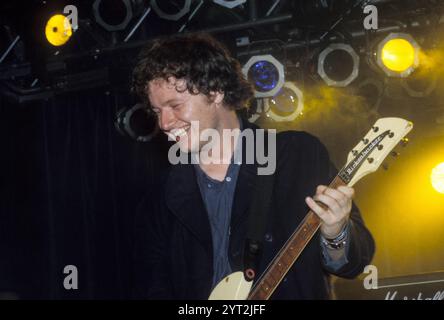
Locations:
{"points": [[70, 185]]}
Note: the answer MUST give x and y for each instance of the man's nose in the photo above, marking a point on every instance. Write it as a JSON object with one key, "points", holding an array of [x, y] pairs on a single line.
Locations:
{"points": [[166, 120]]}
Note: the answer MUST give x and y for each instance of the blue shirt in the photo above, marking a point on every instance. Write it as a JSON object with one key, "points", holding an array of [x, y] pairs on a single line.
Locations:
{"points": [[218, 199]]}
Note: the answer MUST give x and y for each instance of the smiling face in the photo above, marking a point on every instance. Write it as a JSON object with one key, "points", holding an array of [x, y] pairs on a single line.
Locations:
{"points": [[176, 108]]}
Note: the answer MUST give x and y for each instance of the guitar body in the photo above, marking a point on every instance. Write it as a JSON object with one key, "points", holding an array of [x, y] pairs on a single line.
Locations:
{"points": [[232, 287]]}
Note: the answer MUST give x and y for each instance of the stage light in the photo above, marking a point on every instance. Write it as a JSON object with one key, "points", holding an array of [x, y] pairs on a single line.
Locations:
{"points": [[58, 30], [230, 4], [137, 123], [398, 55], [338, 65], [266, 74], [113, 15], [183, 9], [437, 178], [287, 105]]}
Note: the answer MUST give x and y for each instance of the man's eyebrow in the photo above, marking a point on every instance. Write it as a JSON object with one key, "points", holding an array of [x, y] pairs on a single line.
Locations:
{"points": [[170, 101], [166, 103]]}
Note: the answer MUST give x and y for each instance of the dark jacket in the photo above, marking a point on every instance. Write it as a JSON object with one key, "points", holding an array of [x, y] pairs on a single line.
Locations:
{"points": [[173, 245]]}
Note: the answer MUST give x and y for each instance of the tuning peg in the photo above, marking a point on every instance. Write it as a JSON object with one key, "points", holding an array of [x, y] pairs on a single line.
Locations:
{"points": [[380, 147], [365, 141], [370, 160], [375, 129], [404, 141], [394, 154], [385, 166]]}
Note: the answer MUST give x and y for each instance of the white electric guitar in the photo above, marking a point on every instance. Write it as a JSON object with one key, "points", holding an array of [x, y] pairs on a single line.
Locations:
{"points": [[365, 158]]}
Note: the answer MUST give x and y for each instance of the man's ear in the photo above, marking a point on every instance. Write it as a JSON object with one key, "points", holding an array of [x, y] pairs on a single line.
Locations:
{"points": [[217, 98]]}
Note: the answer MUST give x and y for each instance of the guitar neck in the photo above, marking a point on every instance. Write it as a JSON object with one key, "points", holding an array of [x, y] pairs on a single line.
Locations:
{"points": [[286, 257]]}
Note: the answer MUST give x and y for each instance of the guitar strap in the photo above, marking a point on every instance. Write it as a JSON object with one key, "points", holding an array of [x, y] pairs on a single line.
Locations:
{"points": [[257, 222]]}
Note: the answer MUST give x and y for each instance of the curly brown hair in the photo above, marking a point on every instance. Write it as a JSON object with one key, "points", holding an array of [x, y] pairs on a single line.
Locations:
{"points": [[203, 62]]}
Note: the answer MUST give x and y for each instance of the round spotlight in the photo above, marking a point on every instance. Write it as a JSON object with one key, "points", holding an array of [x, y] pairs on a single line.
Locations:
{"points": [[266, 74], [437, 178], [58, 30], [230, 4], [287, 105], [338, 65], [179, 10], [113, 15], [398, 55], [137, 123]]}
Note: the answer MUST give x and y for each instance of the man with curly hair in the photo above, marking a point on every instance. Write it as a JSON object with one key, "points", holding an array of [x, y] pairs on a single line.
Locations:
{"points": [[191, 228]]}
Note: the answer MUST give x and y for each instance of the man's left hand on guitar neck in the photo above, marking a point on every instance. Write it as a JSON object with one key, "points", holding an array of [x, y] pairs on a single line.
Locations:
{"points": [[335, 215]]}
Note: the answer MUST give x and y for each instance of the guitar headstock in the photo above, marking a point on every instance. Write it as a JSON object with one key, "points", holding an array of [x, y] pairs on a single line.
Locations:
{"points": [[370, 152]]}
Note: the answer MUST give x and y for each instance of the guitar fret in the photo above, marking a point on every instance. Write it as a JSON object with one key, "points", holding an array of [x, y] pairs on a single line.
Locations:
{"points": [[286, 258], [271, 277]]}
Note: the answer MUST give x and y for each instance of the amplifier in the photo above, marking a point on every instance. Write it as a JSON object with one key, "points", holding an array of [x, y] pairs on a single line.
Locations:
{"points": [[427, 286]]}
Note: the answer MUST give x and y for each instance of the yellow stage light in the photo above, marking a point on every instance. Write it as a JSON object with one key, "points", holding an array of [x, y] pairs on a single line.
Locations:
{"points": [[58, 30], [437, 178], [398, 55]]}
